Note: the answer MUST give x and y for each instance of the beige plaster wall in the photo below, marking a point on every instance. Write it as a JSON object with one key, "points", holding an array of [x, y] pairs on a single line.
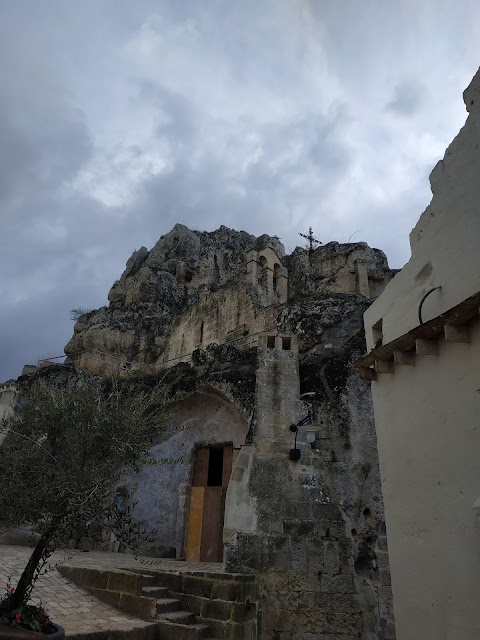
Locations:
{"points": [[427, 416], [445, 242], [428, 433]]}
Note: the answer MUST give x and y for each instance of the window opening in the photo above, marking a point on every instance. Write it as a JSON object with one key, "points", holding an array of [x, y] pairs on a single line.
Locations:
{"points": [[271, 342], [215, 467], [286, 344], [262, 276], [201, 332]]}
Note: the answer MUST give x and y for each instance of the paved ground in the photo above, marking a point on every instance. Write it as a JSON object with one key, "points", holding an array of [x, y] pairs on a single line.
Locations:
{"points": [[74, 608]]}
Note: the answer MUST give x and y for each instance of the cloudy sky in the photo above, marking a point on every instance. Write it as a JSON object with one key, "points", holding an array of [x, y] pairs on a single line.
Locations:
{"points": [[119, 118]]}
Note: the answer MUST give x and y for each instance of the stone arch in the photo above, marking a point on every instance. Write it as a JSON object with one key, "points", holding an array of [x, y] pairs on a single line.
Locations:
{"points": [[263, 272], [267, 275], [277, 272], [205, 418]]}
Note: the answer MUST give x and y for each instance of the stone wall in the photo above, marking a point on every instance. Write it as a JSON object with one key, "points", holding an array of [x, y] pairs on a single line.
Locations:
{"points": [[201, 419], [338, 268], [314, 530]]}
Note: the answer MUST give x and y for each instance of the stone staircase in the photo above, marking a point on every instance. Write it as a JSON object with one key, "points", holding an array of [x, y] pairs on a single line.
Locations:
{"points": [[173, 622], [183, 605]]}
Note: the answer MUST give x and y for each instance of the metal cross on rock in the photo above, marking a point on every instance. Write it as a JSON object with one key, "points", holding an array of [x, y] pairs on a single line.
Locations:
{"points": [[311, 239]]}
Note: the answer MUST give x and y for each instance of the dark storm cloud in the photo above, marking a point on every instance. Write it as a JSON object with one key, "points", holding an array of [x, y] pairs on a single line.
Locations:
{"points": [[119, 119]]}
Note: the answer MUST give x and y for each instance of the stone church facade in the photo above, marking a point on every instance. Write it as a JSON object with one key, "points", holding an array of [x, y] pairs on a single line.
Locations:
{"points": [[256, 341]]}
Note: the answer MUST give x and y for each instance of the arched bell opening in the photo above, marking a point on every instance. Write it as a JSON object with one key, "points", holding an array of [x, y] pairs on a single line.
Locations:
{"points": [[263, 272]]}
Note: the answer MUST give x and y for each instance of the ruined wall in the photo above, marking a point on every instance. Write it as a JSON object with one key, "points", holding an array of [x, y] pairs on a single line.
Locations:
{"points": [[338, 268]]}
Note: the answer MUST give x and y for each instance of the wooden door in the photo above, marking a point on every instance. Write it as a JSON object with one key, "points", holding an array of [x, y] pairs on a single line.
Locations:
{"points": [[212, 467]]}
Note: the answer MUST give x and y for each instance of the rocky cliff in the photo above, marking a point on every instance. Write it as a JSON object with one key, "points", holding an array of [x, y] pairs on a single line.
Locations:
{"points": [[193, 270]]}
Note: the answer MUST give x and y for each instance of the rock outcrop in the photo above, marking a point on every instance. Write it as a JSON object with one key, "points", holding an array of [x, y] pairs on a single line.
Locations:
{"points": [[198, 271], [244, 330]]}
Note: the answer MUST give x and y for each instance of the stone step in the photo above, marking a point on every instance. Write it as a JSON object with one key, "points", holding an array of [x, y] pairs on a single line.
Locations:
{"points": [[155, 592], [168, 605], [174, 631], [181, 617]]}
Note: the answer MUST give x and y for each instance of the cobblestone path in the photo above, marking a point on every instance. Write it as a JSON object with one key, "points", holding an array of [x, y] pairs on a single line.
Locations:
{"points": [[74, 608]]}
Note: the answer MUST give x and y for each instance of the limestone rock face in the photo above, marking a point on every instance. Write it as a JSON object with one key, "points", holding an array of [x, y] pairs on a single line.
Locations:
{"points": [[157, 286], [182, 262], [335, 267], [187, 272]]}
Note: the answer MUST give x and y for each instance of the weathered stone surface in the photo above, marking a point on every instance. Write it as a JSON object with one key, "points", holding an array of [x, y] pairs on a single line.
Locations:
{"points": [[337, 268], [243, 330], [184, 270]]}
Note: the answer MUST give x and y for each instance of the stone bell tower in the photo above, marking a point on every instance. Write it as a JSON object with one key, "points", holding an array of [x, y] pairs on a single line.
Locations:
{"points": [[267, 276]]}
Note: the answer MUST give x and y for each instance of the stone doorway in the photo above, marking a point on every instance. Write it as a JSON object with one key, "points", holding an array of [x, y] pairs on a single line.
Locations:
{"points": [[212, 468]]}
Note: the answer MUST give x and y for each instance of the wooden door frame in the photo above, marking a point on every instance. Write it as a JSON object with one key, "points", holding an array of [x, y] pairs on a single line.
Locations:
{"points": [[199, 480]]}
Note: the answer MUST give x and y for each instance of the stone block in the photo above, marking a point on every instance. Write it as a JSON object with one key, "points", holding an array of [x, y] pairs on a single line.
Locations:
{"points": [[228, 590], [242, 612], [85, 577], [342, 602], [143, 608], [299, 557], [337, 584], [311, 621], [220, 630], [246, 631], [331, 557], [300, 581], [385, 577], [300, 528], [189, 602], [344, 623], [216, 610], [197, 586], [125, 582], [296, 509], [172, 581], [110, 597], [274, 620]]}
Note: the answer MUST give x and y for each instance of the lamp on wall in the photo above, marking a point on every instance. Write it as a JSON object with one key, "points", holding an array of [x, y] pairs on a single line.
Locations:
{"points": [[306, 426]]}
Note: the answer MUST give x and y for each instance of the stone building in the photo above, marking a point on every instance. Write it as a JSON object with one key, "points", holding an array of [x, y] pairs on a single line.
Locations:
{"points": [[424, 336], [255, 340]]}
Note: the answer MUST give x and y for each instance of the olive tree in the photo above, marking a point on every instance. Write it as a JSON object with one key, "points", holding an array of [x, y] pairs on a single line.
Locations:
{"points": [[67, 448]]}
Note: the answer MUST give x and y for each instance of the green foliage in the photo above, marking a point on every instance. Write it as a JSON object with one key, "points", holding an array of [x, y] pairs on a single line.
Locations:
{"points": [[78, 312], [67, 449], [32, 617]]}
